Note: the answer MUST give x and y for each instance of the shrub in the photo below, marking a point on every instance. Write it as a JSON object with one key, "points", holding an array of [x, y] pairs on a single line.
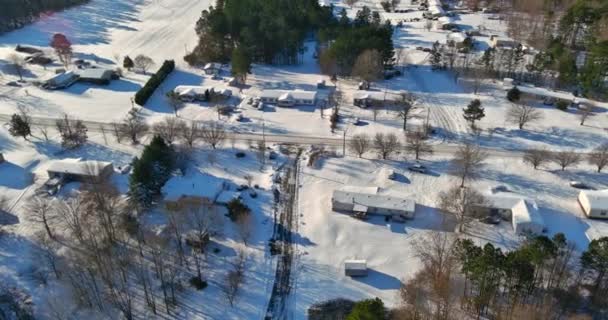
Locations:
{"points": [[236, 208], [562, 105], [198, 283], [154, 82], [514, 94]]}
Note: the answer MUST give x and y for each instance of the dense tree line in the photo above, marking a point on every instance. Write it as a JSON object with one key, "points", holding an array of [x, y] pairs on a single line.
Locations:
{"points": [[269, 31], [17, 13], [347, 41], [565, 30]]}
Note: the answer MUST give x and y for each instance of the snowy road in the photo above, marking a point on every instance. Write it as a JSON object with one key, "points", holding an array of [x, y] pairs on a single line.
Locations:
{"points": [[443, 148]]}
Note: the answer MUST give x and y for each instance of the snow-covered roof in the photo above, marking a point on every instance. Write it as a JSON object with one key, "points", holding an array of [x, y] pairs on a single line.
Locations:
{"points": [[373, 95], [95, 73], [598, 199], [445, 20], [562, 95], [456, 36], [62, 77], [287, 94], [193, 184], [78, 167], [200, 90], [355, 264], [374, 200], [503, 199], [526, 212], [212, 66]]}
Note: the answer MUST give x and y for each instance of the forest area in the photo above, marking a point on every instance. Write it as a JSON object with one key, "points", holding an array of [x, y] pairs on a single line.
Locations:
{"points": [[570, 42], [17, 13]]}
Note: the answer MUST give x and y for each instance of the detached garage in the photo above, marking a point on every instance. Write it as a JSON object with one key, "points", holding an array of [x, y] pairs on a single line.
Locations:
{"points": [[594, 203], [527, 218]]}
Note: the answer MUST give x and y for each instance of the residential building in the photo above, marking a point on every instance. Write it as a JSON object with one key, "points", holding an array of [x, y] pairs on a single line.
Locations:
{"points": [[365, 203], [95, 75], [594, 203], [61, 80], [212, 68], [201, 93], [68, 170], [289, 98]]}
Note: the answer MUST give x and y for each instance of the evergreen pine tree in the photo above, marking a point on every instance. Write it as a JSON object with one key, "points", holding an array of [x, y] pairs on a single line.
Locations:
{"points": [[19, 127], [150, 172], [436, 56], [241, 64], [513, 94], [128, 63], [474, 112], [370, 309]]}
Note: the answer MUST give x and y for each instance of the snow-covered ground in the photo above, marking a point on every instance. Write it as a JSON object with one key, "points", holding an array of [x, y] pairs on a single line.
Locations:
{"points": [[164, 29]]}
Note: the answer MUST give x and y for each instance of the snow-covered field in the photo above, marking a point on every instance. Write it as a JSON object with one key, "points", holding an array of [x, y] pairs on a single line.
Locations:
{"points": [[164, 29]]}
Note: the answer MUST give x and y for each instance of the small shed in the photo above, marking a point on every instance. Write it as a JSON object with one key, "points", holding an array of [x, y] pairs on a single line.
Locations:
{"points": [[212, 68], [96, 76], [526, 218], [594, 203], [355, 268]]}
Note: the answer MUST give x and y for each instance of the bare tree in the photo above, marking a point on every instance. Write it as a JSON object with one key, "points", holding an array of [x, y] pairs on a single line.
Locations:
{"points": [[18, 63], [174, 101], [168, 129], [466, 162], [368, 66], [244, 224], [133, 126], [41, 211], [143, 62], [386, 144], [461, 202], [190, 133], [44, 131], [536, 157], [359, 144], [73, 132], [566, 159], [261, 153], [599, 157], [584, 113], [522, 114], [213, 134], [428, 25], [416, 143], [405, 105], [235, 277]]}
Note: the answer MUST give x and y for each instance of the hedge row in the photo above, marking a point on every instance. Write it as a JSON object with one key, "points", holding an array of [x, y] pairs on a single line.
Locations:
{"points": [[155, 80]]}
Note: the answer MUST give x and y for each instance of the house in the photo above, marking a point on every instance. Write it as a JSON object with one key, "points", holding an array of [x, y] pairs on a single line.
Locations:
{"points": [[200, 93], [61, 80], [539, 93], [500, 42], [594, 203], [68, 170], [523, 213], [95, 76], [367, 203], [355, 268], [289, 98], [364, 99], [212, 68]]}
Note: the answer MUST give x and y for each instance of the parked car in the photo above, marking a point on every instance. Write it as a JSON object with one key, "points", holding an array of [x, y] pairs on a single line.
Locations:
{"points": [[418, 168]]}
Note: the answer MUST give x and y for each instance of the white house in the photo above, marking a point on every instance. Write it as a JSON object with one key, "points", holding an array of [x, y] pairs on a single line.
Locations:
{"points": [[364, 98], [367, 203], [594, 203], [289, 98], [355, 268], [526, 218], [199, 93]]}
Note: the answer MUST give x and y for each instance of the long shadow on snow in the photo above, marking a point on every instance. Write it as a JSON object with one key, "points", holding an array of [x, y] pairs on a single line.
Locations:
{"points": [[379, 280], [83, 25]]}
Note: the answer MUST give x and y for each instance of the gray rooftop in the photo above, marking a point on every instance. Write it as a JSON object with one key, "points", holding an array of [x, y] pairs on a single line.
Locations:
{"points": [[374, 200]]}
